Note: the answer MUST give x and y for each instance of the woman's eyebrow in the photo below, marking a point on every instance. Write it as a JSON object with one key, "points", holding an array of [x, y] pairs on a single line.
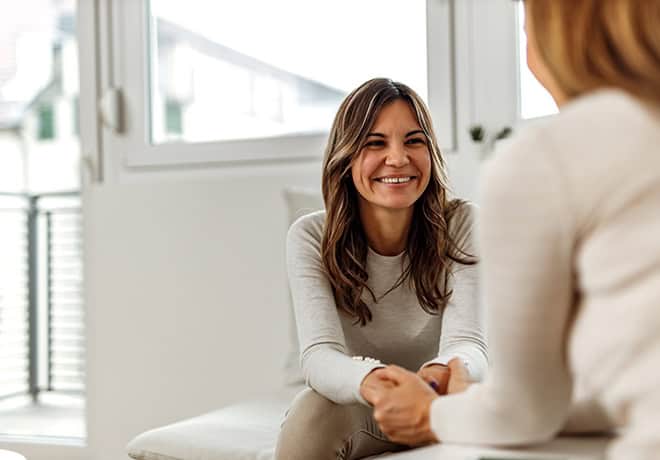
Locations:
{"points": [[417, 131]]}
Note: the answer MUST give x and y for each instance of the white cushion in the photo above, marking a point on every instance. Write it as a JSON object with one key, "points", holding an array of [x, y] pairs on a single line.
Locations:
{"points": [[244, 431], [10, 455], [299, 202]]}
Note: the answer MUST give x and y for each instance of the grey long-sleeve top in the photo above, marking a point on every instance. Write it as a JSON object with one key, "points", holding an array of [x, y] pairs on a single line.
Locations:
{"points": [[401, 332]]}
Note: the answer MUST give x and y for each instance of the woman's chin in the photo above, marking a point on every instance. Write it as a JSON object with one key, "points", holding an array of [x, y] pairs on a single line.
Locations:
{"points": [[397, 205]]}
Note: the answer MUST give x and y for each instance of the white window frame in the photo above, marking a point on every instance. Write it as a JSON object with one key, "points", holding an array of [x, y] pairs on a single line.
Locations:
{"points": [[494, 64], [497, 85], [125, 67]]}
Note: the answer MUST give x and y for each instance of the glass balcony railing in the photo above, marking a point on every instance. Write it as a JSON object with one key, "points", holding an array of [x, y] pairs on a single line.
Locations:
{"points": [[41, 306]]}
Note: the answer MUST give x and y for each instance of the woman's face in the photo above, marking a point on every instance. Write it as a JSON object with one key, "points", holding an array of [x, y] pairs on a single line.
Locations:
{"points": [[394, 167]]}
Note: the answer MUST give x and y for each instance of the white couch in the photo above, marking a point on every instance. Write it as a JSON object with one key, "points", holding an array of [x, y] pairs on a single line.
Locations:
{"points": [[248, 430]]}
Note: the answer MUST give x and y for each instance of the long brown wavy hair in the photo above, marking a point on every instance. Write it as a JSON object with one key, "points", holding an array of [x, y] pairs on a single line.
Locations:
{"points": [[430, 248]]}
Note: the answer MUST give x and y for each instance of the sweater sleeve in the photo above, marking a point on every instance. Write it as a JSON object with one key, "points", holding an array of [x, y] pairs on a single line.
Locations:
{"points": [[526, 248], [323, 353], [462, 332]]}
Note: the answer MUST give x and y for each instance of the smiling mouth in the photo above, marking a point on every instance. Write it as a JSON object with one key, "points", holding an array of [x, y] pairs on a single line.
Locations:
{"points": [[395, 180]]}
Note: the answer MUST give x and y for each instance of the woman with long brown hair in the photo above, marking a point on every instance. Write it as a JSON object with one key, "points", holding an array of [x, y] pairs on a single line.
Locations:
{"points": [[385, 275], [570, 247]]}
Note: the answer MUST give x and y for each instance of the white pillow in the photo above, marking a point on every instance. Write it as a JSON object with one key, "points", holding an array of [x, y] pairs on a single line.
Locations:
{"points": [[299, 201], [243, 431]]}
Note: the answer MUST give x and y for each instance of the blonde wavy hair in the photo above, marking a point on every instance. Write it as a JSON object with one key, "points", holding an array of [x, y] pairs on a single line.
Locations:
{"points": [[592, 44], [430, 247]]}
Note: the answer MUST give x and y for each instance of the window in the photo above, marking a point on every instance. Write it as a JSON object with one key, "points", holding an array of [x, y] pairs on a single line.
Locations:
{"points": [[46, 126], [234, 85], [173, 118], [505, 94], [243, 75]]}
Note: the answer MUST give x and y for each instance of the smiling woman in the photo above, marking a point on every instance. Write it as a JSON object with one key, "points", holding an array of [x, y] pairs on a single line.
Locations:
{"points": [[393, 170], [386, 275], [356, 205]]}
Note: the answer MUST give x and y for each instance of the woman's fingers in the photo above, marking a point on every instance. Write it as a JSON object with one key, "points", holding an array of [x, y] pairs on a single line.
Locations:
{"points": [[459, 379], [397, 374], [404, 405], [457, 366], [412, 435], [413, 440], [437, 376]]}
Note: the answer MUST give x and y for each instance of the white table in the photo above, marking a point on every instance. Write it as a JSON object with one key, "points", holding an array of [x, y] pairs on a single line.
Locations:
{"points": [[8, 455]]}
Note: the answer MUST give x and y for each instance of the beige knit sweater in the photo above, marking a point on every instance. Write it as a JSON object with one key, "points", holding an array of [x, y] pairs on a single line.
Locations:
{"points": [[570, 244]]}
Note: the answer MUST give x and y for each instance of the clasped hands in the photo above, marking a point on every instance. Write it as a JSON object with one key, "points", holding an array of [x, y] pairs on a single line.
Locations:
{"points": [[402, 399]]}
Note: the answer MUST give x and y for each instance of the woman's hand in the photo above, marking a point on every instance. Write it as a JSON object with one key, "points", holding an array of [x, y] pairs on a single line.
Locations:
{"points": [[459, 377], [373, 384], [403, 410], [437, 376]]}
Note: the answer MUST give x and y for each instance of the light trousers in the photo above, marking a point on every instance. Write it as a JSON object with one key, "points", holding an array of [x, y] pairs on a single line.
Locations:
{"points": [[316, 428]]}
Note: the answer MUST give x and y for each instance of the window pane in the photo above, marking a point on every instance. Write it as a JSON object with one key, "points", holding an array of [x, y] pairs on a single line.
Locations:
{"points": [[219, 71], [535, 101]]}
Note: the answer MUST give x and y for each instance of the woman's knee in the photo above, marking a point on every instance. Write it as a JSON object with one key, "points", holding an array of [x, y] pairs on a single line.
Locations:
{"points": [[314, 428]]}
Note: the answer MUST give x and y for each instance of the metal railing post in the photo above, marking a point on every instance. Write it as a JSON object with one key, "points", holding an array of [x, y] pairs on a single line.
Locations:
{"points": [[49, 300], [33, 297]]}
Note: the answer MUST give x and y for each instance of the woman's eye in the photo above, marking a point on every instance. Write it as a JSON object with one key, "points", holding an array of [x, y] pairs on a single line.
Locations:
{"points": [[416, 140], [374, 144]]}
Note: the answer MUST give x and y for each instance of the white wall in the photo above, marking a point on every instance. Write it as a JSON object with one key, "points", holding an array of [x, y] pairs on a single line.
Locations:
{"points": [[187, 299]]}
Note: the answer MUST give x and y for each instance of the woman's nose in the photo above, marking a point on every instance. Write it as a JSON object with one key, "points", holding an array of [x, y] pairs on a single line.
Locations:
{"points": [[397, 157]]}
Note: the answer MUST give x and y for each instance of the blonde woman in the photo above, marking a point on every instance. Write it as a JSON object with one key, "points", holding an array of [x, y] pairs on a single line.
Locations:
{"points": [[570, 247], [386, 275]]}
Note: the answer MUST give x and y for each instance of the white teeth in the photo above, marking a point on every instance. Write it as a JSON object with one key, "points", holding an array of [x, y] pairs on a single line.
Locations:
{"points": [[395, 180]]}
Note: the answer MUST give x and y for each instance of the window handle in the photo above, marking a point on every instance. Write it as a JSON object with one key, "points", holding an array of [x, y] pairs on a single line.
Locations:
{"points": [[487, 140], [111, 109], [89, 169]]}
